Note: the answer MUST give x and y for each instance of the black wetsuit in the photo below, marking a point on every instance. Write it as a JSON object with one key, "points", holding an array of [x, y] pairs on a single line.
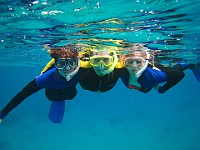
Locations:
{"points": [[89, 80], [56, 89]]}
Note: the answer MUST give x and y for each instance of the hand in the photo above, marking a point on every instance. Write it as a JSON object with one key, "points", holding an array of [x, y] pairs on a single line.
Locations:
{"points": [[156, 87], [1, 120]]}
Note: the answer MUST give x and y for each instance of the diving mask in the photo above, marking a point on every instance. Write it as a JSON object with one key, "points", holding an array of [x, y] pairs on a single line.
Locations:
{"points": [[105, 60], [67, 67], [135, 63], [63, 62]]}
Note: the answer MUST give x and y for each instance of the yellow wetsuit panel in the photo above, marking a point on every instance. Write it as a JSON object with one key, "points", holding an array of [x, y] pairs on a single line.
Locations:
{"points": [[120, 64], [85, 64], [48, 65]]}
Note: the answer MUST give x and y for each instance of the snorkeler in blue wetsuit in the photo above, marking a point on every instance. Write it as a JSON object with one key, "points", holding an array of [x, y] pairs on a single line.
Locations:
{"points": [[59, 83], [141, 75]]}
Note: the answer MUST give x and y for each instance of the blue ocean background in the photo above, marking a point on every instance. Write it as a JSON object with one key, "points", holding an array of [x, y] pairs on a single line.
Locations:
{"points": [[120, 118]]}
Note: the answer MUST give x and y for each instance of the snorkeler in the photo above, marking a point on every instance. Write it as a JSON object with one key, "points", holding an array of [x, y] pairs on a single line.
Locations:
{"points": [[99, 69], [102, 72], [143, 76], [59, 83]]}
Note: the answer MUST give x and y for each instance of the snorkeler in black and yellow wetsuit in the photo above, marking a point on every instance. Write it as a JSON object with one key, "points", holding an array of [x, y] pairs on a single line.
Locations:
{"points": [[102, 72]]}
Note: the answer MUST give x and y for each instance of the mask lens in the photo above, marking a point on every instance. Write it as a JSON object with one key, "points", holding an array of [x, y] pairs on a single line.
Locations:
{"points": [[134, 62], [107, 60], [94, 61], [60, 64], [73, 62]]}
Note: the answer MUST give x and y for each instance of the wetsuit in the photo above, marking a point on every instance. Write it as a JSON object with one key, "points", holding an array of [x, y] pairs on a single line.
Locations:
{"points": [[89, 80], [151, 77], [56, 89]]}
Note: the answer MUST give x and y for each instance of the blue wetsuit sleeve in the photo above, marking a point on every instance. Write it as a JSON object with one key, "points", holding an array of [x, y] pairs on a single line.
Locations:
{"points": [[151, 77], [28, 90], [45, 79], [158, 76], [52, 80]]}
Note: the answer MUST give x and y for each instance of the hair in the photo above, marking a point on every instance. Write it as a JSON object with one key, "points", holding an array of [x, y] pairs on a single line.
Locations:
{"points": [[68, 51], [133, 54], [135, 48], [98, 53]]}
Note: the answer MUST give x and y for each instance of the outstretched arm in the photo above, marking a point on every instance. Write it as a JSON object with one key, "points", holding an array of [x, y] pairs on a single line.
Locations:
{"points": [[174, 77], [28, 90]]}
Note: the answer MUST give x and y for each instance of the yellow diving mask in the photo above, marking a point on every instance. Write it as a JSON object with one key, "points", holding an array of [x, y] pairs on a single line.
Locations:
{"points": [[103, 62], [106, 60]]}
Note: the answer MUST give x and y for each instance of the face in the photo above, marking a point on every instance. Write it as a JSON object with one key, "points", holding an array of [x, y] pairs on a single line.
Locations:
{"points": [[66, 66], [135, 62], [101, 69], [105, 60], [102, 62], [67, 61]]}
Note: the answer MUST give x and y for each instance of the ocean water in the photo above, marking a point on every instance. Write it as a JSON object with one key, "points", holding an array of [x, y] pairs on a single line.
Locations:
{"points": [[120, 118]]}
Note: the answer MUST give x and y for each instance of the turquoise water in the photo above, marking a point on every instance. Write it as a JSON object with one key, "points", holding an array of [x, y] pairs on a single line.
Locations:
{"points": [[120, 118]]}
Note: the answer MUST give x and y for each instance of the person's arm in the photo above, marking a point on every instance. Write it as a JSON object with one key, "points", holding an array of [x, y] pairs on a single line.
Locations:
{"points": [[174, 77], [28, 90]]}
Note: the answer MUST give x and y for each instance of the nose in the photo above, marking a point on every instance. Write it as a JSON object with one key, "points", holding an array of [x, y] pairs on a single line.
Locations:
{"points": [[134, 64], [101, 66], [67, 67]]}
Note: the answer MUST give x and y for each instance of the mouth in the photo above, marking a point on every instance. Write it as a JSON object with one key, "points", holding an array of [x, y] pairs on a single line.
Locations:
{"points": [[101, 70], [68, 71], [135, 71]]}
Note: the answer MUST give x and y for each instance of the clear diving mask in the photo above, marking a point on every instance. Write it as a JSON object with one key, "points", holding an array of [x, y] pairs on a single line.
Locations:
{"points": [[134, 63], [67, 67]]}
